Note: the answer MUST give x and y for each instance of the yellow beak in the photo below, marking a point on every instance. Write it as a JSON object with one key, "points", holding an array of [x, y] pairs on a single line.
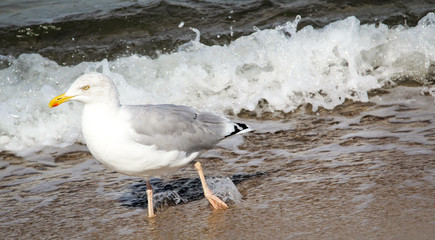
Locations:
{"points": [[59, 100]]}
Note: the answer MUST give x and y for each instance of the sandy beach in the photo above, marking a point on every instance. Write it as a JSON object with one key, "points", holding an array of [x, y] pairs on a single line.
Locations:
{"points": [[360, 171]]}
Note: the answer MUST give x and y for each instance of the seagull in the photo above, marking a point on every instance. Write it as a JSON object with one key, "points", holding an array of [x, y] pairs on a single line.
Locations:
{"points": [[145, 140]]}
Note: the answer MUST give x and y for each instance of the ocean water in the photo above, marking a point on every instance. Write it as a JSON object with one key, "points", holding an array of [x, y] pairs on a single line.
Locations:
{"points": [[285, 65], [340, 94]]}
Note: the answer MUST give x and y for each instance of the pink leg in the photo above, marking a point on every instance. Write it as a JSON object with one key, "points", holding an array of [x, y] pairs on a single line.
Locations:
{"points": [[214, 201], [150, 200]]}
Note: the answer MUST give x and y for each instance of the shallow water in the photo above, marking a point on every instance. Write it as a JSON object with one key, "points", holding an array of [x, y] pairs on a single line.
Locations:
{"points": [[317, 166], [360, 171]]}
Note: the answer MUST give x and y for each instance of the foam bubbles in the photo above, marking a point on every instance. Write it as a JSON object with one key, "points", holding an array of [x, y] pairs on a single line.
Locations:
{"points": [[285, 67]]}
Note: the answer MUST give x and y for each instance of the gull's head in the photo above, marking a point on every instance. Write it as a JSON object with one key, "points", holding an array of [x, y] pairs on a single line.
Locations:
{"points": [[89, 88]]}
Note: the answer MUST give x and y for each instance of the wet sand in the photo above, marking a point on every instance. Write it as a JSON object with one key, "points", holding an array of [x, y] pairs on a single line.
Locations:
{"points": [[360, 171]]}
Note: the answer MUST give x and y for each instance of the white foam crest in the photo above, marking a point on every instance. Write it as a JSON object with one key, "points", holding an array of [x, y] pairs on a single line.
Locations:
{"points": [[286, 67], [318, 66], [26, 124]]}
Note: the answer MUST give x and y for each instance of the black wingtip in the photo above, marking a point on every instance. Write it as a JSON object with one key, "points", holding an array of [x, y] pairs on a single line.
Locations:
{"points": [[239, 128]]}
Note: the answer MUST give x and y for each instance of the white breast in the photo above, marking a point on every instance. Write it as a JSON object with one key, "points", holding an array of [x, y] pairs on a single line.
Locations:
{"points": [[108, 136]]}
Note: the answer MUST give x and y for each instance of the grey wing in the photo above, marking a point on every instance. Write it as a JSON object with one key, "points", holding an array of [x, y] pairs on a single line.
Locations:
{"points": [[174, 127]]}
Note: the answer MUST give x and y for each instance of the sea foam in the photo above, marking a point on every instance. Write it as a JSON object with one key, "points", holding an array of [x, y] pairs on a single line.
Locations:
{"points": [[285, 67]]}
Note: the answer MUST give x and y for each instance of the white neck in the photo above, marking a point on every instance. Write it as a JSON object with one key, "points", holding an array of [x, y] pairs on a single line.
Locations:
{"points": [[97, 117]]}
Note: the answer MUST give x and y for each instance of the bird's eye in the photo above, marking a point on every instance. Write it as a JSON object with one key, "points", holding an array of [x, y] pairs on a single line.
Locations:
{"points": [[85, 87]]}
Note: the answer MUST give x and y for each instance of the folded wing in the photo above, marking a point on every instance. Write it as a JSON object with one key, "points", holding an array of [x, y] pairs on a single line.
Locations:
{"points": [[175, 127]]}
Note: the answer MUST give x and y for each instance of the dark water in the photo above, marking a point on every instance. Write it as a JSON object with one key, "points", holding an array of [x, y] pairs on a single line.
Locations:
{"points": [[185, 190], [151, 28]]}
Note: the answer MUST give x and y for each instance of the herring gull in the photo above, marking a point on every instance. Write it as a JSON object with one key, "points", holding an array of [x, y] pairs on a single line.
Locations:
{"points": [[145, 140]]}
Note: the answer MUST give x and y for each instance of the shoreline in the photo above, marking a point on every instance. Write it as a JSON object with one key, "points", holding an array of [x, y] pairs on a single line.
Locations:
{"points": [[363, 170]]}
